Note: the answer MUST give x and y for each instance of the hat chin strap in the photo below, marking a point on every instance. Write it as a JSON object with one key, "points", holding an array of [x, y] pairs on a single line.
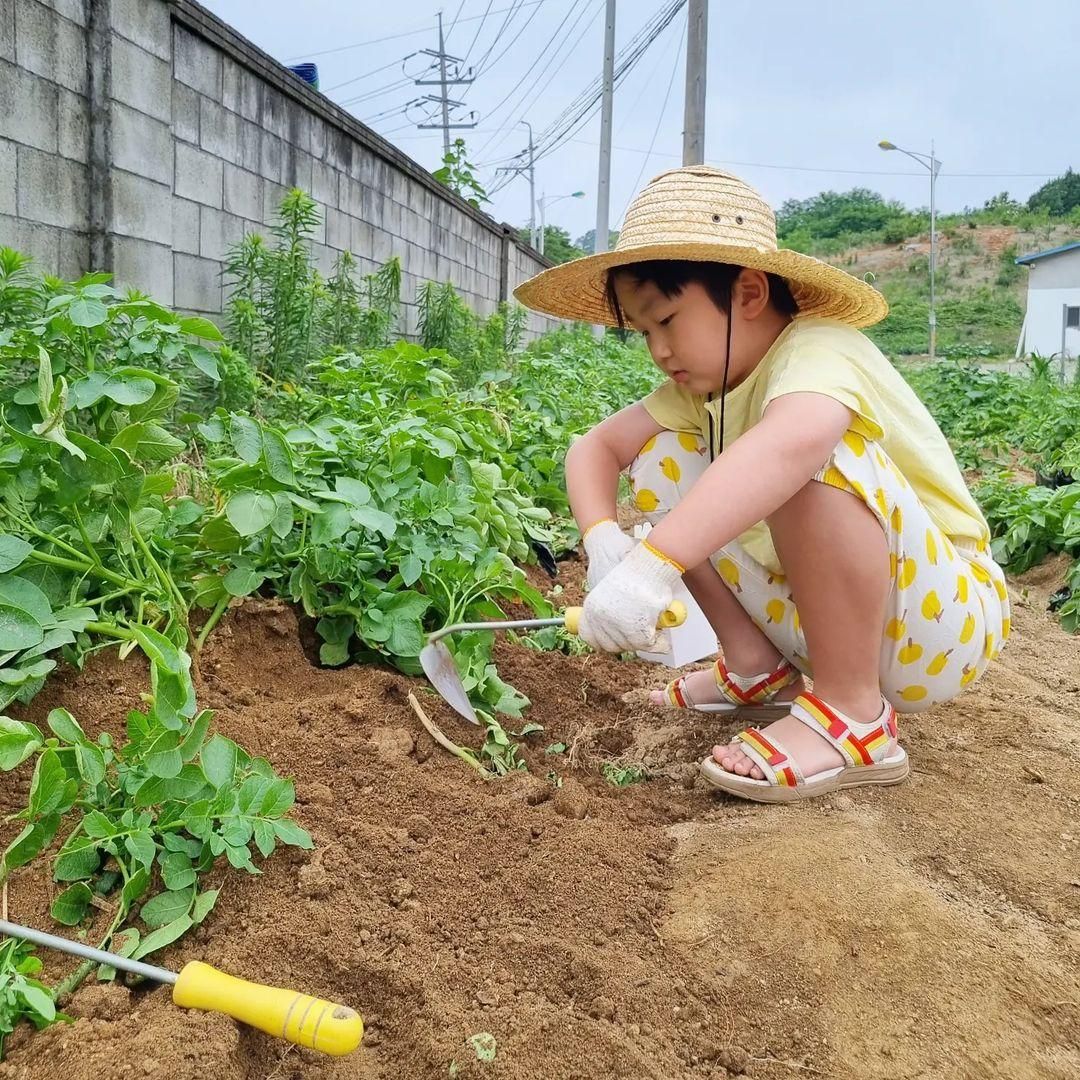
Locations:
{"points": [[723, 390]]}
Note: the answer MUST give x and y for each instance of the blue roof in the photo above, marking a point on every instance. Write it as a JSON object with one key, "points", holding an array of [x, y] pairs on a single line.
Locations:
{"points": [[1024, 260]]}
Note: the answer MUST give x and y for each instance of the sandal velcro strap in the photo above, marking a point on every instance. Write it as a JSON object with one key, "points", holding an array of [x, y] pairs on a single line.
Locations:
{"points": [[861, 744], [755, 689], [779, 767]]}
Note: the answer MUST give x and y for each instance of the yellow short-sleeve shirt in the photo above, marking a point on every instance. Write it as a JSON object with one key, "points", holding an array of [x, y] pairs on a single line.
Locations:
{"points": [[826, 357]]}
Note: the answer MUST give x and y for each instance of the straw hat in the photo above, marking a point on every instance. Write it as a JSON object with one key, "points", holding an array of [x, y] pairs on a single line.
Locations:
{"points": [[702, 214]]}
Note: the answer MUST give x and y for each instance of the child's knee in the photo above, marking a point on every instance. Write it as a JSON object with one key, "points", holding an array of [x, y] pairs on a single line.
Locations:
{"points": [[666, 467]]}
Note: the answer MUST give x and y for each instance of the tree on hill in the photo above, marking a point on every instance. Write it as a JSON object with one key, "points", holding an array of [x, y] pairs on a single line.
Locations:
{"points": [[587, 242], [832, 214], [1058, 196], [557, 245]]}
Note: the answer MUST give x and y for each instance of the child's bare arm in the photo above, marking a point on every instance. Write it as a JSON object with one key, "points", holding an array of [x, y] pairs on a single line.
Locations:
{"points": [[594, 462], [755, 476]]}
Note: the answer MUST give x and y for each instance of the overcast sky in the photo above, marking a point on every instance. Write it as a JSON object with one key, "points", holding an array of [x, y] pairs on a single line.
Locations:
{"points": [[798, 94]]}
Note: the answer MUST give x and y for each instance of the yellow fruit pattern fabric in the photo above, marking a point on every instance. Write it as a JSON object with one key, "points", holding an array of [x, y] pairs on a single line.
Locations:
{"points": [[948, 613]]}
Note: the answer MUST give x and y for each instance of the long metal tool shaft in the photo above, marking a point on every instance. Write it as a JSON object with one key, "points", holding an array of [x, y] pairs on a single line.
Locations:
{"points": [[98, 956], [518, 624]]}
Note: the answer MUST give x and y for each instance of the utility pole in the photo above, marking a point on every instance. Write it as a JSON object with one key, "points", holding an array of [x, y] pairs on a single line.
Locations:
{"points": [[443, 82], [693, 152], [529, 168], [603, 184]]}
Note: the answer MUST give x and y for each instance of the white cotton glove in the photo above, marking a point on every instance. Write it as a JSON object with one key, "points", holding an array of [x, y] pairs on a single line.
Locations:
{"points": [[606, 545], [622, 611]]}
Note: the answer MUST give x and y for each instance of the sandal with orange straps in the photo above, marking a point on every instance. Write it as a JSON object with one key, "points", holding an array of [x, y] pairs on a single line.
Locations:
{"points": [[871, 752], [750, 693]]}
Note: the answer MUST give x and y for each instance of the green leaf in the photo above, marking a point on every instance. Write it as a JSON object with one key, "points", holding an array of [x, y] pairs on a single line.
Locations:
{"points": [[86, 311], [18, 629], [354, 492], [39, 1000], [288, 832], [166, 908], [199, 327], [166, 935], [410, 569], [48, 789], [375, 520], [148, 441], [242, 581], [279, 799], [282, 524], [18, 740], [163, 755], [177, 871], [265, 840], [128, 390], [193, 740], [278, 457], [134, 888], [181, 788], [65, 727], [246, 437], [331, 525], [205, 361], [160, 650], [13, 552], [91, 763], [31, 841], [204, 903], [98, 826], [78, 860], [71, 905], [219, 761], [17, 592], [142, 848], [249, 512]]}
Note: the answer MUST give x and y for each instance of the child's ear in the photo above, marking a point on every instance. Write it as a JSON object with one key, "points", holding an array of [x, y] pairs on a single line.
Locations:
{"points": [[752, 292]]}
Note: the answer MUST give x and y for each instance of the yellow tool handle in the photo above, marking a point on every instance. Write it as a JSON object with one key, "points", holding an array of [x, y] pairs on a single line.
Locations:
{"points": [[675, 615], [299, 1018]]}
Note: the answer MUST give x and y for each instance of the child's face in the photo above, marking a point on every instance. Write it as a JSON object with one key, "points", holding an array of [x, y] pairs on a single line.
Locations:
{"points": [[685, 333]]}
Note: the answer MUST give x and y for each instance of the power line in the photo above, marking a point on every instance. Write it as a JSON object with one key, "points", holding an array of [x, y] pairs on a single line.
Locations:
{"points": [[406, 33], [483, 19], [660, 118], [367, 74]]}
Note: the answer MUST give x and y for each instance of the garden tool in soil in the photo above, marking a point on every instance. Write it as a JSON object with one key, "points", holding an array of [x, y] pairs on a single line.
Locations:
{"points": [[299, 1018], [442, 672]]}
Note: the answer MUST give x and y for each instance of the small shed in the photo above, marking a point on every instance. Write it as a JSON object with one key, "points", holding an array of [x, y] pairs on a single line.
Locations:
{"points": [[1052, 320]]}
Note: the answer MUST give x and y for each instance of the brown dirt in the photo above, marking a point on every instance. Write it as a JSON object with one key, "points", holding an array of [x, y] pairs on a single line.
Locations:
{"points": [[930, 930]]}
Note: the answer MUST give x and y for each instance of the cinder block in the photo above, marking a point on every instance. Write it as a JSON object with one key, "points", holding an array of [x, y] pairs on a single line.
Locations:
{"points": [[198, 175], [146, 23], [240, 90], [361, 241], [141, 80], [350, 195], [7, 177], [74, 254], [272, 196], [52, 190], [70, 9], [185, 226], [338, 230], [185, 112], [296, 168], [144, 266], [49, 45], [41, 243], [271, 157], [243, 193], [274, 114], [318, 137], [196, 283], [7, 30], [341, 149], [219, 130], [141, 208], [218, 233], [197, 63], [28, 108], [324, 258], [324, 183], [73, 126], [141, 144], [248, 154]]}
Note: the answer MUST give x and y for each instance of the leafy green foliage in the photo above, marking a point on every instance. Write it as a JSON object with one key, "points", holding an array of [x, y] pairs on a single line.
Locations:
{"points": [[457, 174], [1058, 196], [21, 995]]}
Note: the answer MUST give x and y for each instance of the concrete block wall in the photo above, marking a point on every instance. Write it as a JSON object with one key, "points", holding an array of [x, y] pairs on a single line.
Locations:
{"points": [[147, 136]]}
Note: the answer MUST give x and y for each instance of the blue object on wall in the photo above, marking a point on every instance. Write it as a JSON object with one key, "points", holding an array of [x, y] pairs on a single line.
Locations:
{"points": [[308, 72]]}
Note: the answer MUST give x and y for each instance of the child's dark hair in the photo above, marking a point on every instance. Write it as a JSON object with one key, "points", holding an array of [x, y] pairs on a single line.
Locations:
{"points": [[670, 276]]}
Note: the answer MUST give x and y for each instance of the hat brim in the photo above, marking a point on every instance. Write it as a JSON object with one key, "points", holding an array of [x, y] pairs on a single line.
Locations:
{"points": [[577, 290]]}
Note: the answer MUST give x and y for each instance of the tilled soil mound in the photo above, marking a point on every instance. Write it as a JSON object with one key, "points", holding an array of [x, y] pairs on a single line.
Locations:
{"points": [[929, 930]]}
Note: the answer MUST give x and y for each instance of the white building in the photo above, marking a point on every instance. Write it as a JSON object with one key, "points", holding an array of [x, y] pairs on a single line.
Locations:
{"points": [[1052, 320]]}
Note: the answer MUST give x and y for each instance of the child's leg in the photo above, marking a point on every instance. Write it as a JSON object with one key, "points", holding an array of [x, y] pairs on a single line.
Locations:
{"points": [[666, 468], [887, 603]]}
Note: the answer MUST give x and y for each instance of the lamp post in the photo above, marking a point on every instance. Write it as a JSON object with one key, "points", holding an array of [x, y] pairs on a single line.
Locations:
{"points": [[927, 161], [543, 202]]}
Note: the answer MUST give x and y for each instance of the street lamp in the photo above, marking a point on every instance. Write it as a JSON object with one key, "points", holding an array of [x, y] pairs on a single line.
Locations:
{"points": [[543, 201], [927, 161]]}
